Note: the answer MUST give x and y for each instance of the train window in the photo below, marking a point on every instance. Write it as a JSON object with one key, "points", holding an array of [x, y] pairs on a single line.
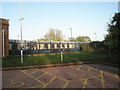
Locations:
{"points": [[10, 46], [58, 45], [52, 46], [14, 46], [62, 45], [72, 45], [68, 45], [46, 46], [38, 46], [75, 46]]}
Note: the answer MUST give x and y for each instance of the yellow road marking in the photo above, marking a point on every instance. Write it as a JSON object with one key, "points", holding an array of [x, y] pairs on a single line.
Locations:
{"points": [[11, 82], [92, 77], [97, 75], [49, 82], [85, 83], [92, 68], [35, 86], [82, 70], [25, 70], [118, 77], [14, 83], [85, 78], [54, 75], [79, 67], [33, 77], [33, 72], [102, 79], [89, 68], [72, 74], [78, 79], [41, 76], [66, 84], [70, 66]]}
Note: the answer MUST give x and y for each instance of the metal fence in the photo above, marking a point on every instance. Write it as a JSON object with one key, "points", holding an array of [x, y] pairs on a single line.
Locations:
{"points": [[44, 51]]}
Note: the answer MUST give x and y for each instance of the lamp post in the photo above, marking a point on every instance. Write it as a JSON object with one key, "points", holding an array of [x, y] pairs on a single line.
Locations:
{"points": [[21, 39], [18, 37], [3, 43], [95, 36], [71, 33], [50, 45], [21, 30]]}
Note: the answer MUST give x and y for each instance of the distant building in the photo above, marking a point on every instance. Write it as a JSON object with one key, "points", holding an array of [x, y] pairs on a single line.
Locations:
{"points": [[4, 25]]}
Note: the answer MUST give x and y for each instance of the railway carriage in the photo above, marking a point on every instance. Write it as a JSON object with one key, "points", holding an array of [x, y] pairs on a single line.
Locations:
{"points": [[41, 47]]}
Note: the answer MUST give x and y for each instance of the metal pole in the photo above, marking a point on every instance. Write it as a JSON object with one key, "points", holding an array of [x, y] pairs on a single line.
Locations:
{"points": [[21, 30], [18, 37], [71, 33], [95, 36], [21, 42], [3, 44], [61, 56], [50, 46]]}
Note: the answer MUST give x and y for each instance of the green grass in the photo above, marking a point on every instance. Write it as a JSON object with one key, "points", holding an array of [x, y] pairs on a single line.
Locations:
{"points": [[14, 61]]}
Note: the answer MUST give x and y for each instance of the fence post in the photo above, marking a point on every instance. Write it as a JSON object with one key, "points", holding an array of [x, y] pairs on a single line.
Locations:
{"points": [[61, 55]]}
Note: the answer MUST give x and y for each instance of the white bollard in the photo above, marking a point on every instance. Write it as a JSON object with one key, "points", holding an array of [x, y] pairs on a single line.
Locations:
{"points": [[21, 56], [61, 56]]}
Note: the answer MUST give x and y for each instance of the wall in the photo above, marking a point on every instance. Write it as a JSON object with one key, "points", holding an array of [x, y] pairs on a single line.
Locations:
{"points": [[4, 24]]}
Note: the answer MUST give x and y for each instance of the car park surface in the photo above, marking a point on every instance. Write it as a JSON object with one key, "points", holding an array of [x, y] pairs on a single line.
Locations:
{"points": [[73, 76]]}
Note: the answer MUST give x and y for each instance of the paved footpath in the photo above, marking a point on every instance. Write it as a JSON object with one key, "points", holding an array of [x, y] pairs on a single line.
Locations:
{"points": [[74, 76]]}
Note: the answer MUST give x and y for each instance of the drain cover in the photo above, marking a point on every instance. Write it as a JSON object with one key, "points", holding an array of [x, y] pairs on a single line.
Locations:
{"points": [[69, 79]]}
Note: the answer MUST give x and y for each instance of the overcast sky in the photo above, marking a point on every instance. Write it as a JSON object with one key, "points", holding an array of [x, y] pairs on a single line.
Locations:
{"points": [[85, 18]]}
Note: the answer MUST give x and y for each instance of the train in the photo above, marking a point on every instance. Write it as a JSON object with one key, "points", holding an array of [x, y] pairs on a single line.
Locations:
{"points": [[42, 47]]}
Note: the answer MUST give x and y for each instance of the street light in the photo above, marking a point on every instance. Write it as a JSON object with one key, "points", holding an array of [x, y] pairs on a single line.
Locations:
{"points": [[95, 36], [21, 39], [21, 30], [50, 45], [71, 33]]}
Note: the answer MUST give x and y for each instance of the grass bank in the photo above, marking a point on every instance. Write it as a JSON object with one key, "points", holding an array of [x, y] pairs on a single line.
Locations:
{"points": [[14, 61]]}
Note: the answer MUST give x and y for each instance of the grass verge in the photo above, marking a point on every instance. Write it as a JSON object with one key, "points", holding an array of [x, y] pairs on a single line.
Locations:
{"points": [[14, 61]]}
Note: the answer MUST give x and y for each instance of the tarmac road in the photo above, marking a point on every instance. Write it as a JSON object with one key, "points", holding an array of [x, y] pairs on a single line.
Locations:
{"points": [[74, 76]]}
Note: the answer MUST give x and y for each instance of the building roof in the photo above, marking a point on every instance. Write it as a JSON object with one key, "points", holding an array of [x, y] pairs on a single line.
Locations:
{"points": [[4, 21]]}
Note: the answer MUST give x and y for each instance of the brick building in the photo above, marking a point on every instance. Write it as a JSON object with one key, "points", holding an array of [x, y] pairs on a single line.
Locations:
{"points": [[4, 37]]}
